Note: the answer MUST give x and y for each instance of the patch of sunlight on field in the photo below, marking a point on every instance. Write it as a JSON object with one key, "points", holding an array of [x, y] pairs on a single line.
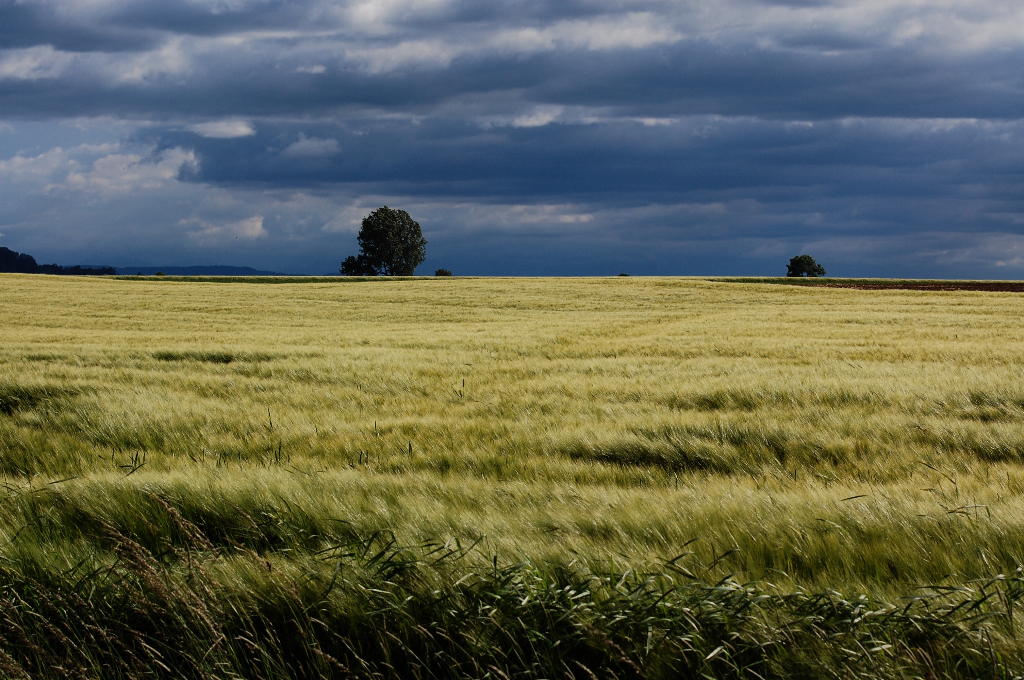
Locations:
{"points": [[866, 441]]}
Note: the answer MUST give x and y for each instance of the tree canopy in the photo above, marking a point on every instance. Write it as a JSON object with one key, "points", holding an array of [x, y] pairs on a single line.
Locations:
{"points": [[804, 265], [22, 263], [391, 243]]}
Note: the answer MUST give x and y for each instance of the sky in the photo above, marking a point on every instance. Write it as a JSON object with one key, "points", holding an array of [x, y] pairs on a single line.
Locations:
{"points": [[527, 137]]}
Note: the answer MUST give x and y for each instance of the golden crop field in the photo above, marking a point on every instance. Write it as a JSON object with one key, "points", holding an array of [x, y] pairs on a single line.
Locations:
{"points": [[787, 439]]}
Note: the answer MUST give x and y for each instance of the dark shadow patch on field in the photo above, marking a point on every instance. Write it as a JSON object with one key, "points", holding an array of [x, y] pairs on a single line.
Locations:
{"points": [[44, 357], [990, 414], [669, 455], [30, 440], [17, 398], [754, 399], [258, 524], [28, 451], [732, 400], [985, 407], [713, 449], [212, 357], [720, 448], [988, 447]]}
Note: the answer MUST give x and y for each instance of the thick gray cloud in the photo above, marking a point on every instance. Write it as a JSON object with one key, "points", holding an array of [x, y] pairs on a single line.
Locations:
{"points": [[529, 137]]}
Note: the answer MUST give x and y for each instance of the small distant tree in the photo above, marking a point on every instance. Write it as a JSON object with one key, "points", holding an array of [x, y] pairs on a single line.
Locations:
{"points": [[804, 265], [391, 243], [442, 272]]}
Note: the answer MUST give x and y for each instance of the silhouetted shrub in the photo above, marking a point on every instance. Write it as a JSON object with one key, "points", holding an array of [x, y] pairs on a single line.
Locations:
{"points": [[357, 266]]}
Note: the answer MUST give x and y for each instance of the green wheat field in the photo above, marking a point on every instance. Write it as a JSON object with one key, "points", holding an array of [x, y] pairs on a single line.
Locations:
{"points": [[508, 478]]}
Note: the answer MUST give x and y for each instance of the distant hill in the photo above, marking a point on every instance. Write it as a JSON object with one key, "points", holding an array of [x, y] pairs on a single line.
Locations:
{"points": [[212, 270]]}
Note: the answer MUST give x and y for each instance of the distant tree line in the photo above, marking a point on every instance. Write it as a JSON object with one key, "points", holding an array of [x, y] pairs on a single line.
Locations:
{"points": [[12, 262]]}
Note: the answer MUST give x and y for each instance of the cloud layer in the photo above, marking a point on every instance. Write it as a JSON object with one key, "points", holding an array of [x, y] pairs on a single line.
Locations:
{"points": [[585, 137]]}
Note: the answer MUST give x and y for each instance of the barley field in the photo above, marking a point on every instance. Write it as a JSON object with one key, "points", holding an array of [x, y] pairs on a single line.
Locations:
{"points": [[459, 477]]}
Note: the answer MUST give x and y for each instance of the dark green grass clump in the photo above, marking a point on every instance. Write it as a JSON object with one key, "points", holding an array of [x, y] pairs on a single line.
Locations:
{"points": [[15, 398], [155, 596], [211, 357]]}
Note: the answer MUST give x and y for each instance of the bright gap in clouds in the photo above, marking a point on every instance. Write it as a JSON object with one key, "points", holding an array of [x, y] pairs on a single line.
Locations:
{"points": [[223, 129]]}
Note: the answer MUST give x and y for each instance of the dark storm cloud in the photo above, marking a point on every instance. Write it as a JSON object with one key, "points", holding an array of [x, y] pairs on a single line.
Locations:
{"points": [[686, 78], [614, 159], [143, 24], [797, 70], [666, 125], [187, 18], [699, 78], [135, 26], [25, 24]]}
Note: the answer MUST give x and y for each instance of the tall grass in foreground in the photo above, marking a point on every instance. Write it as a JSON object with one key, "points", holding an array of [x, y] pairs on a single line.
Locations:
{"points": [[159, 597], [661, 478]]}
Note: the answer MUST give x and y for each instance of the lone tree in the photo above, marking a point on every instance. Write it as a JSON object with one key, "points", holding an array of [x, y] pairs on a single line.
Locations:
{"points": [[391, 243], [804, 265]]}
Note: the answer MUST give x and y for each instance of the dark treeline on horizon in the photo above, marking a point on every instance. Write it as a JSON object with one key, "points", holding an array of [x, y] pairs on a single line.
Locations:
{"points": [[23, 263]]}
